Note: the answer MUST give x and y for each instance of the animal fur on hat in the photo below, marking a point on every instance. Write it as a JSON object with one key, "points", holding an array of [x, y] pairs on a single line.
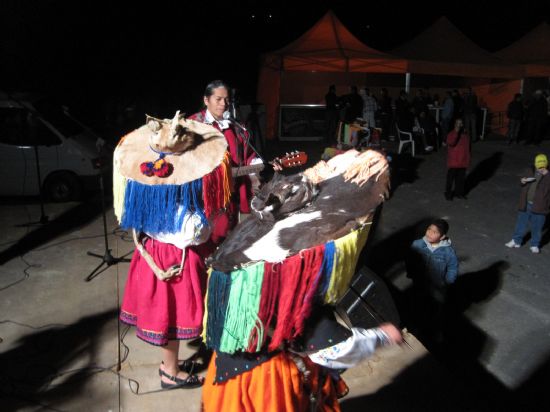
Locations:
{"points": [[193, 149]]}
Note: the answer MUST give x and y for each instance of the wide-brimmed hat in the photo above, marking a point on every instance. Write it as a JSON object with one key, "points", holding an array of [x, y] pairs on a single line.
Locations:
{"points": [[169, 168], [169, 151]]}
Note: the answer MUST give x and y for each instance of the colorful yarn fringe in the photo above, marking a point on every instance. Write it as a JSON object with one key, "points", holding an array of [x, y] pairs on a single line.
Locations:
{"points": [[277, 297], [348, 249], [241, 315], [162, 208], [217, 187]]}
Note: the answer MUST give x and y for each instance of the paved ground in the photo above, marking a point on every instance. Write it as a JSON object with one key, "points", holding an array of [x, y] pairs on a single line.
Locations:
{"points": [[60, 336]]}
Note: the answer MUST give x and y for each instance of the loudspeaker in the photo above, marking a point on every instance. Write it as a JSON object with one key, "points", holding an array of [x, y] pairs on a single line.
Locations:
{"points": [[368, 302]]}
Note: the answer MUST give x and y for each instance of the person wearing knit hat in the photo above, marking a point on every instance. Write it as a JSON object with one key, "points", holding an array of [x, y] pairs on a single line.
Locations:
{"points": [[541, 161], [534, 204]]}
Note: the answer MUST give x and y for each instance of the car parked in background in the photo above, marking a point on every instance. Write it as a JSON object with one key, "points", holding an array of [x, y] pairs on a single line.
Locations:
{"points": [[39, 135]]}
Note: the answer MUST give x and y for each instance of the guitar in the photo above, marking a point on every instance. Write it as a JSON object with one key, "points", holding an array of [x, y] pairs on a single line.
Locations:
{"points": [[293, 159]]}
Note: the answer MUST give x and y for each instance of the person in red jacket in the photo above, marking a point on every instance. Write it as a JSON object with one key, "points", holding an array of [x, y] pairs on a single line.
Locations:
{"points": [[215, 112], [458, 160]]}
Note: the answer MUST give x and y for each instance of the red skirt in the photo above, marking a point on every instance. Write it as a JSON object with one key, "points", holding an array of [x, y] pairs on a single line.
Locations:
{"points": [[165, 310]]}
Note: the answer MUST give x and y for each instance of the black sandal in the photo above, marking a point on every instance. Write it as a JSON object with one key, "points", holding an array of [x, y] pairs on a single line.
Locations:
{"points": [[187, 366], [192, 381]]}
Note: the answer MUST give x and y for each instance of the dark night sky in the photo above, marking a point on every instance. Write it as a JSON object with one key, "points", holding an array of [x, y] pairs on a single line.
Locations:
{"points": [[89, 51]]}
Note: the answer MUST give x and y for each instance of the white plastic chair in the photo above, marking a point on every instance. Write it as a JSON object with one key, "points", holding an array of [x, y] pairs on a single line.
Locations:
{"points": [[404, 138]]}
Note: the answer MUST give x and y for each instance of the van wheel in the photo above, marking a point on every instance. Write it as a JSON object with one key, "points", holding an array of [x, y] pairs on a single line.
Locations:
{"points": [[62, 187]]}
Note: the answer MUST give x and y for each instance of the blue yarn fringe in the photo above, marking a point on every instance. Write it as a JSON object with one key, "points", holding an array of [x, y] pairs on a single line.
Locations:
{"points": [[219, 287], [156, 208], [326, 267]]}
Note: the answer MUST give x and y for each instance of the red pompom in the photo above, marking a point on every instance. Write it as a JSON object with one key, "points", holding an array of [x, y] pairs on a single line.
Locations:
{"points": [[165, 170], [147, 168]]}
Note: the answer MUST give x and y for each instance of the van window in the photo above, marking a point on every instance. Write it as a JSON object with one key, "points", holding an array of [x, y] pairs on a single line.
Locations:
{"points": [[53, 113], [18, 127]]}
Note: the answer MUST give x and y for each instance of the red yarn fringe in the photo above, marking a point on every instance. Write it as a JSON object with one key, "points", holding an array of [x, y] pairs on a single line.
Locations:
{"points": [[216, 188], [300, 274], [268, 302]]}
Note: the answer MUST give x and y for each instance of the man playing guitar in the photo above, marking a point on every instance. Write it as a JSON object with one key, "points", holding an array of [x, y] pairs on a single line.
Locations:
{"points": [[216, 102]]}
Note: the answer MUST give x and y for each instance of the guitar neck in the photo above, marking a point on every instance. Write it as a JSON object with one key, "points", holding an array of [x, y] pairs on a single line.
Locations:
{"points": [[246, 170]]}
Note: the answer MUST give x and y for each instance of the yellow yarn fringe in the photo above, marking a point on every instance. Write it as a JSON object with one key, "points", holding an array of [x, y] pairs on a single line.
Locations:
{"points": [[227, 178], [205, 316], [348, 249]]}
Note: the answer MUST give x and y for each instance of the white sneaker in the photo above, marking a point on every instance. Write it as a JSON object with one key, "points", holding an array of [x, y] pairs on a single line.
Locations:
{"points": [[534, 249], [429, 148], [512, 244]]}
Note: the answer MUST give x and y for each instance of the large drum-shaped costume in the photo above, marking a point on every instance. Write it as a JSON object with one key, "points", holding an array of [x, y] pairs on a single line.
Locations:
{"points": [[273, 275]]}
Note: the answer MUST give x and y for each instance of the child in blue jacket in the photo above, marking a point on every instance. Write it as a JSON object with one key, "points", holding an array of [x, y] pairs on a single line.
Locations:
{"points": [[433, 263], [433, 266]]}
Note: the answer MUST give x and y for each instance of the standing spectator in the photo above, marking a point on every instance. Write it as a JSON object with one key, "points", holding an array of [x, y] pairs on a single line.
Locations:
{"points": [[458, 104], [447, 112], [458, 160], [402, 108], [331, 113], [534, 204], [470, 114], [420, 102], [385, 112], [433, 266], [351, 106], [536, 118], [515, 117], [370, 106]]}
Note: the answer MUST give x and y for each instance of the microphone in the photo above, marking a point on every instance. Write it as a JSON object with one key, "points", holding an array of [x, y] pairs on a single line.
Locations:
{"points": [[227, 116]]}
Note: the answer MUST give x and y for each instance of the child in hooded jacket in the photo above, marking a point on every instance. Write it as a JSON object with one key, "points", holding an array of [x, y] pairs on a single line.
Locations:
{"points": [[433, 266]]}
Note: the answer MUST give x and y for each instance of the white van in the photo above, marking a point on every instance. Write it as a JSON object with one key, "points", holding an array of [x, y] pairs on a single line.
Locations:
{"points": [[70, 157]]}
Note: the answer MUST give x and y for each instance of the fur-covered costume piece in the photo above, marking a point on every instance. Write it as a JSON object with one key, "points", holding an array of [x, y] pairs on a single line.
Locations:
{"points": [[296, 253]]}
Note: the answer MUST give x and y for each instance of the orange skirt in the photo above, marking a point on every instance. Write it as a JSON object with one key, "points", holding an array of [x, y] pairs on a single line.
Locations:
{"points": [[273, 386]]}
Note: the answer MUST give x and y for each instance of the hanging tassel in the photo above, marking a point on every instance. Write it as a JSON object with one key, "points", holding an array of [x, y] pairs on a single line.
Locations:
{"points": [[268, 304], [217, 188], [313, 260], [348, 249], [289, 280], [326, 268], [156, 208], [219, 287], [242, 310], [205, 316]]}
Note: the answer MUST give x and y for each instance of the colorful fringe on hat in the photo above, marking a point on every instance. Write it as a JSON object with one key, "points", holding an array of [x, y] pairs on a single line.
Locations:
{"points": [[162, 208], [241, 306]]}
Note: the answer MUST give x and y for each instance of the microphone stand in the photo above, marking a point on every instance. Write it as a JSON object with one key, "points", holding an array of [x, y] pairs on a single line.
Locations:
{"points": [[43, 218], [107, 258]]}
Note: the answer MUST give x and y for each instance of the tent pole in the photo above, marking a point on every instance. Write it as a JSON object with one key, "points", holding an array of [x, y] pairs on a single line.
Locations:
{"points": [[521, 85], [408, 82]]}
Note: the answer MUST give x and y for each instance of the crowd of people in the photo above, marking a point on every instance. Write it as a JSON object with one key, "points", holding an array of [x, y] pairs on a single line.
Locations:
{"points": [[528, 118], [409, 115]]}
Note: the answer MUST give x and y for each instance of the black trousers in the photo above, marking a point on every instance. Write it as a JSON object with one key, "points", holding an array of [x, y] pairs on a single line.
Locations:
{"points": [[458, 177]]}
